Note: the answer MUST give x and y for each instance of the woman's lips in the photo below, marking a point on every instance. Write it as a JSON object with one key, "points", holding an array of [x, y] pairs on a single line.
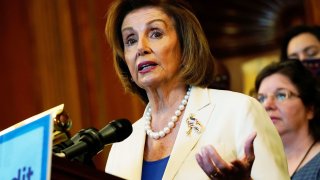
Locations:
{"points": [[274, 119], [146, 67]]}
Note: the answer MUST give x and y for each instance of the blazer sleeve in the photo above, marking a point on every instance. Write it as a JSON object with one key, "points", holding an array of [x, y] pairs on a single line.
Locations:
{"points": [[270, 160]]}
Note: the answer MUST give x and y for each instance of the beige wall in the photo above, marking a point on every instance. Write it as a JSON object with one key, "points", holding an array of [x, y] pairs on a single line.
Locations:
{"points": [[243, 70]]}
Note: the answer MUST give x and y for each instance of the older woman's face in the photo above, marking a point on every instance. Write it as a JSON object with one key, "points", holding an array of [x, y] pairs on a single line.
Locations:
{"points": [[151, 47], [280, 98], [304, 46]]}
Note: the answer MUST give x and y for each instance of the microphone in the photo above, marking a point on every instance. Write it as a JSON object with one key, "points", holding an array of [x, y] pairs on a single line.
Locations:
{"points": [[93, 141]]}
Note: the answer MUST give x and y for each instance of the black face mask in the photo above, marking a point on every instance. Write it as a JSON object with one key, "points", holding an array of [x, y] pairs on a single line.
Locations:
{"points": [[313, 65]]}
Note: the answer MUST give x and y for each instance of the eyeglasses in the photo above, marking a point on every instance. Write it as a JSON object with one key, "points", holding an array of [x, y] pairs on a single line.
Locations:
{"points": [[280, 96]]}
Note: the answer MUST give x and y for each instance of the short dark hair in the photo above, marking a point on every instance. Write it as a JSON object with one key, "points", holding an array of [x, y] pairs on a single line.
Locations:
{"points": [[304, 81], [197, 67], [294, 31]]}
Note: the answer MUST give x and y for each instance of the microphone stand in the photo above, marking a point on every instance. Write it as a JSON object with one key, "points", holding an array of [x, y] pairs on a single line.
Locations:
{"points": [[85, 136], [62, 140]]}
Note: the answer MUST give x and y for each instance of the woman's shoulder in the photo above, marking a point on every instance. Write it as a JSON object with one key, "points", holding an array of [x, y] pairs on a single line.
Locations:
{"points": [[227, 95], [223, 98], [311, 170], [138, 123]]}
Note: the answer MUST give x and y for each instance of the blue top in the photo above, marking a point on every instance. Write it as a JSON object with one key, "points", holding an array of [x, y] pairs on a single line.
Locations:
{"points": [[310, 171], [154, 170]]}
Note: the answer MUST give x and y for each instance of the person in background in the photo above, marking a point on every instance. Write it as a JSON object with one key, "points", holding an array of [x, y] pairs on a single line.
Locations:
{"points": [[187, 131], [290, 95], [301, 42]]}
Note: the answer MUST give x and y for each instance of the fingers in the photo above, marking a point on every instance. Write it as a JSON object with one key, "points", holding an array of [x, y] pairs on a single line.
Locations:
{"points": [[215, 157], [249, 149], [210, 169], [205, 162], [202, 164], [211, 162], [216, 168]]}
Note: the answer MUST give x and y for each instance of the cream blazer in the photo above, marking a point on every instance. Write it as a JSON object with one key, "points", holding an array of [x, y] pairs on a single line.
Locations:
{"points": [[227, 119]]}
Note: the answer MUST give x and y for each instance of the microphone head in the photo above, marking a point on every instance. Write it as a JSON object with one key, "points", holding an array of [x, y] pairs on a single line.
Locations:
{"points": [[116, 131]]}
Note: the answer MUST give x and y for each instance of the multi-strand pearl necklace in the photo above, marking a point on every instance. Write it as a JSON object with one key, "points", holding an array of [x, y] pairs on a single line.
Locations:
{"points": [[171, 123]]}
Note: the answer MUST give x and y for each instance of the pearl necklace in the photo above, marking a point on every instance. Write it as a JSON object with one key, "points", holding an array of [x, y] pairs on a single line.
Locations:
{"points": [[171, 124]]}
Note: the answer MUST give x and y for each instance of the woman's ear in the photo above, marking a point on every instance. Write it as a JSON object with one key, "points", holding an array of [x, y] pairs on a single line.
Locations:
{"points": [[310, 112]]}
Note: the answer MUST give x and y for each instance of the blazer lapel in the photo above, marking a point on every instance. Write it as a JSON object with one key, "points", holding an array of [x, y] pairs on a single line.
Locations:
{"points": [[136, 157], [197, 107]]}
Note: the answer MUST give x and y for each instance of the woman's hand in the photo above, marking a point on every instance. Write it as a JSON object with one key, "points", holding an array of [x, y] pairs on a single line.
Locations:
{"points": [[216, 168]]}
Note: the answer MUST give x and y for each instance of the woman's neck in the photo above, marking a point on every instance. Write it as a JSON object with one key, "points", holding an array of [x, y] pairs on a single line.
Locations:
{"points": [[297, 149], [162, 99]]}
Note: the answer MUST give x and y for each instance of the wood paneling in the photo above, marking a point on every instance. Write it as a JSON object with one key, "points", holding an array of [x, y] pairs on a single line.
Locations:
{"points": [[18, 93], [312, 8], [239, 28], [55, 52]]}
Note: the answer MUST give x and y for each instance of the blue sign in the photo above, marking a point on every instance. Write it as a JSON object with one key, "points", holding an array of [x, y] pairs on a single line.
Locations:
{"points": [[25, 149]]}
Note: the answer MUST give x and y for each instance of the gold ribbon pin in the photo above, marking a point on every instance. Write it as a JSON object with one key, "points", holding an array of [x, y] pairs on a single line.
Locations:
{"points": [[194, 124]]}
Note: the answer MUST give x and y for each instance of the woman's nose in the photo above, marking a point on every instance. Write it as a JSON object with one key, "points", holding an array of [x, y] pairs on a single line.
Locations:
{"points": [[143, 47], [302, 56], [142, 52], [269, 103]]}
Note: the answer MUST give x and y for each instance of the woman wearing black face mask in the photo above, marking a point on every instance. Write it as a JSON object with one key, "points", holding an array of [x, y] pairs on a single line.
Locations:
{"points": [[301, 42]]}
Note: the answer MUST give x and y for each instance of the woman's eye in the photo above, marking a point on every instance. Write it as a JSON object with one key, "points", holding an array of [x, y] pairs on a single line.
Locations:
{"points": [[281, 96], [312, 53], [261, 98], [130, 41], [156, 34]]}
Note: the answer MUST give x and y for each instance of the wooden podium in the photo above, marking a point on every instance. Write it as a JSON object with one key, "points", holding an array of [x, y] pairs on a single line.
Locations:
{"points": [[65, 169]]}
